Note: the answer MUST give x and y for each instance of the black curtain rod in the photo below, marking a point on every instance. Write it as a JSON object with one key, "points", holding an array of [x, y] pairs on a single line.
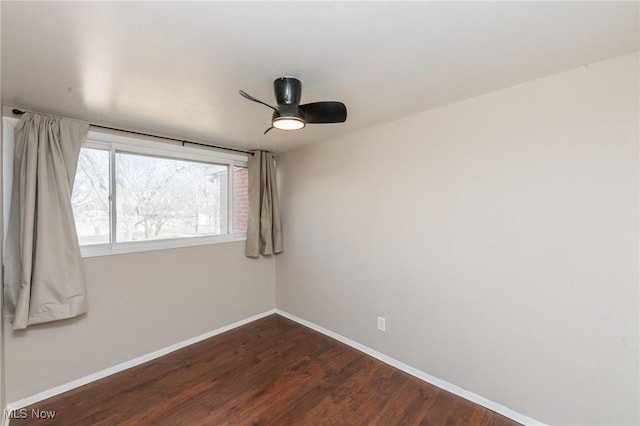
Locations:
{"points": [[20, 112]]}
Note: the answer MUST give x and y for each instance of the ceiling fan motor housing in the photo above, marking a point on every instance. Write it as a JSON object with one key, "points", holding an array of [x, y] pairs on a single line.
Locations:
{"points": [[288, 91], [288, 111]]}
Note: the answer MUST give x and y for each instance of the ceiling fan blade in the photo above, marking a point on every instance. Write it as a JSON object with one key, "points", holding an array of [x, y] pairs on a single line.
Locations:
{"points": [[251, 98], [324, 112]]}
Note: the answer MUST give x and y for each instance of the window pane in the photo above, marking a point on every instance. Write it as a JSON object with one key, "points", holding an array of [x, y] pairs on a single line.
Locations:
{"points": [[240, 199], [90, 198], [159, 198]]}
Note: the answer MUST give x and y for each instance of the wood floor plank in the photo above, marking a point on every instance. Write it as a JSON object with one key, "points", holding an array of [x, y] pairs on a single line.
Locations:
{"points": [[269, 372]]}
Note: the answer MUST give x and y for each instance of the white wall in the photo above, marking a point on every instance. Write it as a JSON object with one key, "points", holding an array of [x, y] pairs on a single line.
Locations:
{"points": [[139, 303], [498, 236]]}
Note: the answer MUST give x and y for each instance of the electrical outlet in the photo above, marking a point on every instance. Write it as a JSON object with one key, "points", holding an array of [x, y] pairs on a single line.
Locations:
{"points": [[382, 324]]}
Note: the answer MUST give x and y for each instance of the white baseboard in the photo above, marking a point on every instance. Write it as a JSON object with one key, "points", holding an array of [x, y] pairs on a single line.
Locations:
{"points": [[123, 366], [442, 384]]}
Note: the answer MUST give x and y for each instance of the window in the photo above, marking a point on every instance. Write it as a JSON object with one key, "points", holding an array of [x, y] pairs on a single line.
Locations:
{"points": [[160, 198], [133, 195], [90, 198]]}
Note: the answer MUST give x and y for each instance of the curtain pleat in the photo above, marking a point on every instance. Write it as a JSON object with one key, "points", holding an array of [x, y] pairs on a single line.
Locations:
{"points": [[44, 276], [264, 231]]}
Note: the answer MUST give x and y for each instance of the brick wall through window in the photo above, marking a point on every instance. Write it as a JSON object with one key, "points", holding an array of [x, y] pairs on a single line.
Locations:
{"points": [[240, 199]]}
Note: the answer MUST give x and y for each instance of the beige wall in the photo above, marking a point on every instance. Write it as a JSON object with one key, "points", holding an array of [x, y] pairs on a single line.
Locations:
{"points": [[498, 236], [2, 392], [139, 303]]}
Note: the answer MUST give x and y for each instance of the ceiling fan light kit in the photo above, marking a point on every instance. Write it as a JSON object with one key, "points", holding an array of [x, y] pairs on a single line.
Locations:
{"points": [[288, 123], [290, 115]]}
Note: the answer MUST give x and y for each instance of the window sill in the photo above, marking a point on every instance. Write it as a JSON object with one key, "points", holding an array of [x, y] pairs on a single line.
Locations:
{"points": [[142, 246]]}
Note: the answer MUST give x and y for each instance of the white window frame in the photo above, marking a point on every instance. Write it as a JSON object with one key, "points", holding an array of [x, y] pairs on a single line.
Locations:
{"points": [[148, 146]]}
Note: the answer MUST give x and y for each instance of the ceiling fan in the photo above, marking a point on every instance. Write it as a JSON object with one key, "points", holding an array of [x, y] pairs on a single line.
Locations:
{"points": [[290, 115]]}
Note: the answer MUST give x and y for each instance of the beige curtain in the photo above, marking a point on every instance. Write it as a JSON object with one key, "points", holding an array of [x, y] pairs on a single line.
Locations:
{"points": [[264, 232], [44, 276]]}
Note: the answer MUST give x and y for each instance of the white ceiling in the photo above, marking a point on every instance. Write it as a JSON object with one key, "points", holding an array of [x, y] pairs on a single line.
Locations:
{"points": [[175, 68]]}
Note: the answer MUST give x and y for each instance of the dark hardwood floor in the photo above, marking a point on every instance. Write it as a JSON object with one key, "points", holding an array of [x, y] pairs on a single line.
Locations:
{"points": [[273, 372]]}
